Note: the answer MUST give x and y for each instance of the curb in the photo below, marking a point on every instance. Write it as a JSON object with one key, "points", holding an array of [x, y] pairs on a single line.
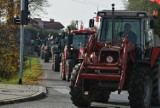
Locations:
{"points": [[38, 95]]}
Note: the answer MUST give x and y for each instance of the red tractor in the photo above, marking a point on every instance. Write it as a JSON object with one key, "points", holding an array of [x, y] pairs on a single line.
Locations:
{"points": [[73, 51], [115, 60]]}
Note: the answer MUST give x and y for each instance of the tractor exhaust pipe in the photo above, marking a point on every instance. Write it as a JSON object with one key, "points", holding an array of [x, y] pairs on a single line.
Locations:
{"points": [[113, 22]]}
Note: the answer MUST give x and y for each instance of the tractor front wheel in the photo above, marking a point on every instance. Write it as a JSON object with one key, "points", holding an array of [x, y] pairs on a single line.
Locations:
{"points": [[102, 96], [76, 92], [156, 82], [140, 87]]}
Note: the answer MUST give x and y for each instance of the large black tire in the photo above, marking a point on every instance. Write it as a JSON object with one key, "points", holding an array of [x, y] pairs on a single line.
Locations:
{"points": [[62, 74], [140, 87], [46, 56], [62, 68], [68, 68], [42, 54], [156, 82], [76, 92], [56, 62], [102, 96]]}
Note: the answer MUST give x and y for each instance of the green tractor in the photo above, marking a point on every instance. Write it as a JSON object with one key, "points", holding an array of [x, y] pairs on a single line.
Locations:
{"points": [[56, 51]]}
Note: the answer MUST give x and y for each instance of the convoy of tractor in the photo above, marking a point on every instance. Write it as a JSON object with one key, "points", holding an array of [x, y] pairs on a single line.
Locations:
{"points": [[122, 55]]}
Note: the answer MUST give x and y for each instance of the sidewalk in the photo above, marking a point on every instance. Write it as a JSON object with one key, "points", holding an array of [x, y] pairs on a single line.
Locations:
{"points": [[19, 93]]}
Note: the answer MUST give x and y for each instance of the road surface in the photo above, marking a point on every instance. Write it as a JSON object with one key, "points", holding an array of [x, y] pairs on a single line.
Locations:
{"points": [[58, 94]]}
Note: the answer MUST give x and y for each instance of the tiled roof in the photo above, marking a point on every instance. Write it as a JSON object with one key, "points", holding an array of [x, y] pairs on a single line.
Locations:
{"points": [[46, 24], [53, 25]]}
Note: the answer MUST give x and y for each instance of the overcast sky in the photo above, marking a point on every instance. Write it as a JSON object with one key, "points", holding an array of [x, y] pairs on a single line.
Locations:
{"points": [[65, 11]]}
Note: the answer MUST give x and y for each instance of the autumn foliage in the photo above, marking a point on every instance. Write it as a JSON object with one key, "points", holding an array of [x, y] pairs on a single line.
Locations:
{"points": [[9, 47]]}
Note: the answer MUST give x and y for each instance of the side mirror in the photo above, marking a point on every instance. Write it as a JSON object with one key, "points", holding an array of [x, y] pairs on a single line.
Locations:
{"points": [[91, 23], [151, 24]]}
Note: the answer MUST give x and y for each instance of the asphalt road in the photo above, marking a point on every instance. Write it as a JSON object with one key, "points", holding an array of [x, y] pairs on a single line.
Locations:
{"points": [[58, 94]]}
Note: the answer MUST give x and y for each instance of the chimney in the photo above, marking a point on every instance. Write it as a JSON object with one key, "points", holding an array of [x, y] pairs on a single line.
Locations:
{"points": [[37, 19], [51, 20]]}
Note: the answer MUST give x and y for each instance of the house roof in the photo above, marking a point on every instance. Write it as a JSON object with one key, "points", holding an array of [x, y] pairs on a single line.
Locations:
{"points": [[34, 23], [53, 25], [46, 24]]}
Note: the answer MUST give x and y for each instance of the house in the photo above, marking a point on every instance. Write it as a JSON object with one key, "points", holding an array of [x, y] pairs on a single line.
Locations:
{"points": [[48, 25]]}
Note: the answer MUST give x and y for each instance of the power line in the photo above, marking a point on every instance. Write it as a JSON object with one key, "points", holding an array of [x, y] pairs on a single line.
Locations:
{"points": [[80, 2], [94, 3], [91, 3]]}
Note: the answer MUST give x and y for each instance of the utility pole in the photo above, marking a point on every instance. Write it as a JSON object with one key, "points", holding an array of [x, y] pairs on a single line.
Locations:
{"points": [[21, 43], [23, 21]]}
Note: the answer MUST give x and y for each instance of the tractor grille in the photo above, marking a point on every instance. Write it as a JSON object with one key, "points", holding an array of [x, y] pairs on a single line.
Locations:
{"points": [[105, 53], [110, 72], [103, 56]]}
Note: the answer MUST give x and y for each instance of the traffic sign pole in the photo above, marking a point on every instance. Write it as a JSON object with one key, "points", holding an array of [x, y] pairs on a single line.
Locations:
{"points": [[21, 44]]}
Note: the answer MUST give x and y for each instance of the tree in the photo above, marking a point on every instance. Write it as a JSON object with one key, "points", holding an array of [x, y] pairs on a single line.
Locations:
{"points": [[37, 7], [9, 42], [73, 25], [144, 5], [9, 50]]}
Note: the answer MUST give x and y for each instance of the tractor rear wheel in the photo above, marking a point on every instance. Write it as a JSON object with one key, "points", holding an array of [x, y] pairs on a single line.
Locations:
{"points": [[46, 56], [56, 62], [76, 92], [62, 73], [62, 68], [140, 87], [42, 54], [156, 82]]}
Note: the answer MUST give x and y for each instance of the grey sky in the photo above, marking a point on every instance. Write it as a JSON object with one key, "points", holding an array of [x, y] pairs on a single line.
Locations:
{"points": [[65, 11]]}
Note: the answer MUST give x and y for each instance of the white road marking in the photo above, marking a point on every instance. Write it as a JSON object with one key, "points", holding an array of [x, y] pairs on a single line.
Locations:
{"points": [[62, 89]]}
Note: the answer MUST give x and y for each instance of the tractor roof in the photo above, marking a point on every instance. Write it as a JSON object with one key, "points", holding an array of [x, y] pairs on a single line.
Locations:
{"points": [[83, 31], [124, 13]]}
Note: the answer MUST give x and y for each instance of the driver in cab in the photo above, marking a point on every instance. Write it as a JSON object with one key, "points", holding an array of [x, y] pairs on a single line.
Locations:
{"points": [[127, 31]]}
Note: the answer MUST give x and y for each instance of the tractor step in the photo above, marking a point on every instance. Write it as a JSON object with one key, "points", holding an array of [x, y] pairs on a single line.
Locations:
{"points": [[100, 77]]}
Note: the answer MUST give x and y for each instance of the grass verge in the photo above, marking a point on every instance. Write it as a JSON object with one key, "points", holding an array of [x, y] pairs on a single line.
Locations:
{"points": [[31, 73]]}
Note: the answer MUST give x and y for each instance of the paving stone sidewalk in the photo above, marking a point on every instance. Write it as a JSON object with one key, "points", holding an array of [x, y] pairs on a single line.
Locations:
{"points": [[10, 93]]}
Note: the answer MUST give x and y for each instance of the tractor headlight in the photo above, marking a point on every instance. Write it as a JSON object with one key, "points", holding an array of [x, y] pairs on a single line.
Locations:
{"points": [[109, 59], [71, 48], [91, 56]]}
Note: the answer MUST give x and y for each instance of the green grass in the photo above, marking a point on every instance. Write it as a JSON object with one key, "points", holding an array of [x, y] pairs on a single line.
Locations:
{"points": [[31, 73]]}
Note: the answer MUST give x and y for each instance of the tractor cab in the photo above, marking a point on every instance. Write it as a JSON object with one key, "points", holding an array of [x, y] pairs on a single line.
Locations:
{"points": [[77, 40], [136, 25]]}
